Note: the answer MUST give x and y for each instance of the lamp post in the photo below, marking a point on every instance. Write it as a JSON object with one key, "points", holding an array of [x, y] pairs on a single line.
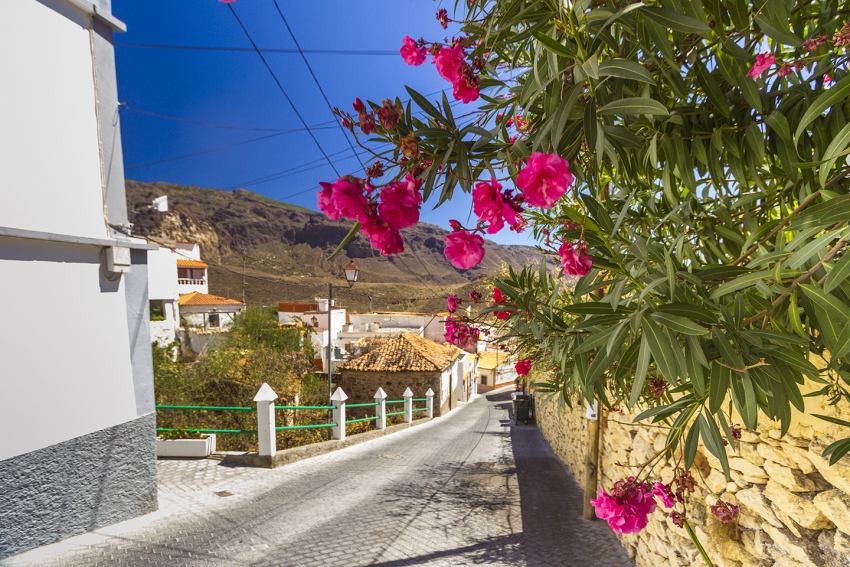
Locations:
{"points": [[351, 272]]}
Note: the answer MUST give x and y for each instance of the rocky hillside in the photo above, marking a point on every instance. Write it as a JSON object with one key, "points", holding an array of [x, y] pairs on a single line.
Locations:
{"points": [[275, 251]]}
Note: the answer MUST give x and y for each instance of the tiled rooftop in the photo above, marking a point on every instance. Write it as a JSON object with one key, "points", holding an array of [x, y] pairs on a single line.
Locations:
{"points": [[184, 263], [491, 360], [197, 298], [406, 353]]}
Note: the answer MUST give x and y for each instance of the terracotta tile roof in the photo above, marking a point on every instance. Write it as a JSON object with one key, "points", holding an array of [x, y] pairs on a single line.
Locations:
{"points": [[405, 353], [183, 263], [289, 307], [491, 360], [197, 298]]}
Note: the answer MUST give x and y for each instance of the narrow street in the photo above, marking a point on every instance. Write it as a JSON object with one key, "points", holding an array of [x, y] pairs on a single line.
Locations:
{"points": [[466, 489]]}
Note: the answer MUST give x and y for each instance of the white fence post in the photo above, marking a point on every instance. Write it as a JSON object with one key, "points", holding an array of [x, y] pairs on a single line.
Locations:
{"points": [[266, 434], [408, 405], [429, 403], [338, 401], [381, 409]]}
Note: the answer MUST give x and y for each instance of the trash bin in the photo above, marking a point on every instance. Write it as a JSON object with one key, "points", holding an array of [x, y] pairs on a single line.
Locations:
{"points": [[523, 407]]}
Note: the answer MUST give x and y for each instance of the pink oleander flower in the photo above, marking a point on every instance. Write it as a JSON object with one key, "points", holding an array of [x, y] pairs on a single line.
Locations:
{"points": [[678, 519], [663, 492], [383, 237], [459, 333], [411, 52], [658, 386], [764, 61], [464, 92], [545, 179], [464, 249], [400, 201], [500, 299], [367, 122], [326, 201], [343, 198], [725, 512], [489, 204], [451, 301], [358, 106], [785, 70], [813, 44], [475, 296], [827, 79], [523, 367], [574, 264], [450, 62], [627, 508]]}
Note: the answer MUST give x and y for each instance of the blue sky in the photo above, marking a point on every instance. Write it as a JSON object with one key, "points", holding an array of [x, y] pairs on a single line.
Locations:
{"points": [[235, 89]]}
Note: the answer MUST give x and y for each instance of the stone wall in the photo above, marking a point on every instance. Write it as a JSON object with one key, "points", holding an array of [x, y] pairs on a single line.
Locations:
{"points": [[361, 387], [795, 508]]}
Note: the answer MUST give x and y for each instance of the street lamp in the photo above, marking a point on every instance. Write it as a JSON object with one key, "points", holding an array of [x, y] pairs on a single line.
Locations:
{"points": [[351, 272], [314, 321]]}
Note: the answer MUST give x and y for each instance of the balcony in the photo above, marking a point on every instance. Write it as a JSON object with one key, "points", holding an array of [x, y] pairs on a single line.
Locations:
{"points": [[187, 281]]}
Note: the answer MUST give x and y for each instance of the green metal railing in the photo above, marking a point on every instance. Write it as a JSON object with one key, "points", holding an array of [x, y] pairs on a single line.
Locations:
{"points": [[374, 417], [243, 431], [369, 405]]}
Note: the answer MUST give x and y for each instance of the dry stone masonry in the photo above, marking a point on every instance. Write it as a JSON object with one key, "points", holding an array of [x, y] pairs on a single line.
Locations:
{"points": [[795, 508]]}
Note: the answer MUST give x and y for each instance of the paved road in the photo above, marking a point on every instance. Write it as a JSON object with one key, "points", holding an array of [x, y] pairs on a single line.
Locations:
{"points": [[466, 489]]}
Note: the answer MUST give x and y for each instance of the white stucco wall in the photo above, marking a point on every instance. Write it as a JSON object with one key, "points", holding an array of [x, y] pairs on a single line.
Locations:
{"points": [[61, 376], [162, 274], [197, 315], [50, 177]]}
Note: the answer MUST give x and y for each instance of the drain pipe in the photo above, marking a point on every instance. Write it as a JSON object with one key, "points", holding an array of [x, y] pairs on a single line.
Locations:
{"points": [[591, 460]]}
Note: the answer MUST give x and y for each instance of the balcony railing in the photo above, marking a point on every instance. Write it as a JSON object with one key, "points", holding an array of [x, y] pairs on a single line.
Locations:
{"points": [[187, 281]]}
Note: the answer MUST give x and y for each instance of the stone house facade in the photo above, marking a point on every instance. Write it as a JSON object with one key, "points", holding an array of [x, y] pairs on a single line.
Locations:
{"points": [[406, 361]]}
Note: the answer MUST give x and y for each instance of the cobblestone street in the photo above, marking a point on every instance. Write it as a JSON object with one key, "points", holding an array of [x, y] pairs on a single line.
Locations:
{"points": [[466, 489]]}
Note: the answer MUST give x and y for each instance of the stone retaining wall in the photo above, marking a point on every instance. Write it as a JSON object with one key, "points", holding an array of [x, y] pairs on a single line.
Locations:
{"points": [[795, 508]]}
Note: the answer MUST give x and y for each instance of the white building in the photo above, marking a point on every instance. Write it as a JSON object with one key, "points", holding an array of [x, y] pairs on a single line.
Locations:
{"points": [[164, 295], [205, 311], [315, 315], [191, 270], [76, 392]]}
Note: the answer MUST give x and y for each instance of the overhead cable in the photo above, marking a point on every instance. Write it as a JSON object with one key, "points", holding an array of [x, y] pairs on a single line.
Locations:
{"points": [[280, 86]]}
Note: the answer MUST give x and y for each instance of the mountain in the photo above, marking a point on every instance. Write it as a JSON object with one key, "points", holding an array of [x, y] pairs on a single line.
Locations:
{"points": [[273, 251]]}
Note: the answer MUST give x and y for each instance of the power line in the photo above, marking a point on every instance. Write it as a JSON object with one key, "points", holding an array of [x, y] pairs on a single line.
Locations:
{"points": [[320, 126], [280, 86], [208, 151], [367, 52], [315, 79]]}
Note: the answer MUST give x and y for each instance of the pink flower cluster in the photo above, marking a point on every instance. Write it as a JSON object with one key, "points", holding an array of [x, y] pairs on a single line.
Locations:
{"points": [[452, 302], [460, 333], [725, 512], [412, 52], [494, 206], [545, 179], [630, 503], [575, 263], [464, 249], [523, 367], [450, 61], [500, 299], [381, 222]]}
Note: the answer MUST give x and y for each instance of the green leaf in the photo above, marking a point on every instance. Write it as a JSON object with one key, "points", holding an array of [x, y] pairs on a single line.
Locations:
{"points": [[423, 103], [348, 238], [826, 100], [640, 371], [839, 273], [718, 386], [594, 308], [729, 355], [836, 146], [776, 32], [748, 407], [823, 214], [834, 420], [837, 450], [712, 89], [679, 324], [842, 343], [625, 69], [691, 444], [714, 442], [552, 45], [827, 301], [662, 350], [690, 311], [632, 106], [674, 21], [695, 370], [739, 283]]}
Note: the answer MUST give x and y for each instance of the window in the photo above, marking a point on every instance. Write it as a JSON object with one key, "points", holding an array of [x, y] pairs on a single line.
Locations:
{"points": [[183, 273], [157, 310], [214, 320], [484, 379]]}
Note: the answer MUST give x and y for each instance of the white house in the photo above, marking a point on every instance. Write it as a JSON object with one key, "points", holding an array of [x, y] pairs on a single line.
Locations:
{"points": [[76, 392], [164, 295], [205, 311], [495, 370], [191, 270], [315, 315]]}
